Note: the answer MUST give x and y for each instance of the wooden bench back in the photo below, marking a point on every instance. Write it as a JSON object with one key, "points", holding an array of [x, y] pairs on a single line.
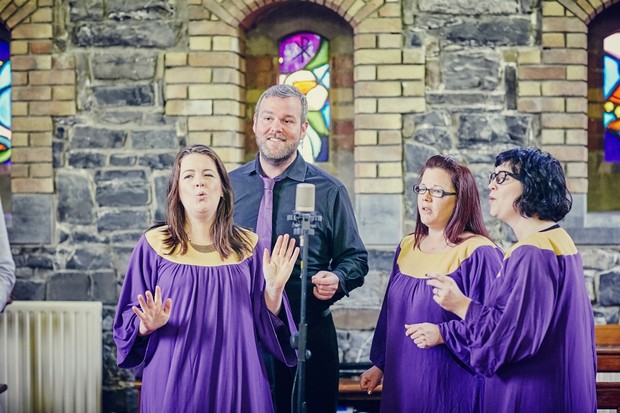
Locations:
{"points": [[607, 339]]}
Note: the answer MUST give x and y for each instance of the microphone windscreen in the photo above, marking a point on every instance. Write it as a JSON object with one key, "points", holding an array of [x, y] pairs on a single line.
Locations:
{"points": [[304, 198]]}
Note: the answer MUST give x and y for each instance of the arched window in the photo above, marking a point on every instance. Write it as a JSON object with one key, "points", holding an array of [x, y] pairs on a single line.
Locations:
{"points": [[5, 117], [304, 63], [604, 111]]}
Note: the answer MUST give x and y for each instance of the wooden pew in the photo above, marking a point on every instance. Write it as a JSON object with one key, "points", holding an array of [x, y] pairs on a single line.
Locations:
{"points": [[349, 393], [608, 361]]}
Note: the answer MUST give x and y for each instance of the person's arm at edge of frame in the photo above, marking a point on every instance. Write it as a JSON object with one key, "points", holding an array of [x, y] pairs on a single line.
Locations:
{"points": [[7, 265]]}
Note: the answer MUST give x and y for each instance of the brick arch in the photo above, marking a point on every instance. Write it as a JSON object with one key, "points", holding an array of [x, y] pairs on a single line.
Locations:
{"points": [[230, 12], [381, 94], [586, 10]]}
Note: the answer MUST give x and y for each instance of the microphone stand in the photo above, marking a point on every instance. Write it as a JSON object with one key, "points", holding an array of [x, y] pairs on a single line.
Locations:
{"points": [[303, 225]]}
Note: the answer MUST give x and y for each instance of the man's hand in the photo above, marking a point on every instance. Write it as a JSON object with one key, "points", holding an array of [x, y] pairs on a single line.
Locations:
{"points": [[326, 284]]}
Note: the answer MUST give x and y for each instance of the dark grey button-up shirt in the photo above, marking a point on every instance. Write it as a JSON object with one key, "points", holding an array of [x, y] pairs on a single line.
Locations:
{"points": [[335, 246]]}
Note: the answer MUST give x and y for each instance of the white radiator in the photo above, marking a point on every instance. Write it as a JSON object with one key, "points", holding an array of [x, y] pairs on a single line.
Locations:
{"points": [[50, 357]]}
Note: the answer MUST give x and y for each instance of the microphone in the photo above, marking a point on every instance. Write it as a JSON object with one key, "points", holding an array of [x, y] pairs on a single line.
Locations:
{"points": [[304, 216], [304, 198]]}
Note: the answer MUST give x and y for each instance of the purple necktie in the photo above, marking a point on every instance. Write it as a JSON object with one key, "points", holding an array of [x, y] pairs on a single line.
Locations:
{"points": [[265, 213]]}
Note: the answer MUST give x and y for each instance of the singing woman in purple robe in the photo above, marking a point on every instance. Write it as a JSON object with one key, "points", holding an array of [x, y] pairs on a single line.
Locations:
{"points": [[449, 238], [534, 335], [200, 298]]}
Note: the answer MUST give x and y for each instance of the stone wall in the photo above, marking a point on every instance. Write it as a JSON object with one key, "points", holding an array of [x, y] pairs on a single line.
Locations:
{"points": [[106, 91]]}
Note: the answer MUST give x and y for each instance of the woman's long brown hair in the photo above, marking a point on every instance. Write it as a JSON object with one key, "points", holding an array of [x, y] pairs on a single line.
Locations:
{"points": [[227, 237]]}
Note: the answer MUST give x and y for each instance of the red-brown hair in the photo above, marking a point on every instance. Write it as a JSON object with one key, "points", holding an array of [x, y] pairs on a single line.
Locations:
{"points": [[467, 215]]}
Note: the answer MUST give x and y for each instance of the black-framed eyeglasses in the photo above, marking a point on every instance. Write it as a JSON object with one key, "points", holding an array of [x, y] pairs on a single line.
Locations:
{"points": [[435, 192], [500, 177]]}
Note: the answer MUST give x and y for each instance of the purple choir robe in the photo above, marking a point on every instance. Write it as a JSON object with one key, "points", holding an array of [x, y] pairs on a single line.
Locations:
{"points": [[535, 338], [436, 379], [207, 358]]}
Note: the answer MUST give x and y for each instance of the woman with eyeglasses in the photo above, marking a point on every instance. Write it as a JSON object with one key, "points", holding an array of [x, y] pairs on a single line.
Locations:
{"points": [[449, 238], [534, 335]]}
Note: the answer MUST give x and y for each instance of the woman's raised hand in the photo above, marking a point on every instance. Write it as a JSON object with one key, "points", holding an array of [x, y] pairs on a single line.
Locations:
{"points": [[153, 313], [278, 266]]}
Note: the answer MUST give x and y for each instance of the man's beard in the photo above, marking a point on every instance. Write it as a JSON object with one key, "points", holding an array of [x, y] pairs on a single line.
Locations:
{"points": [[279, 158]]}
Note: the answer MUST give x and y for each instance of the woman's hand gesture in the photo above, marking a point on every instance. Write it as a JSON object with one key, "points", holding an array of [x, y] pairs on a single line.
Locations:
{"points": [[447, 294], [277, 268], [154, 314]]}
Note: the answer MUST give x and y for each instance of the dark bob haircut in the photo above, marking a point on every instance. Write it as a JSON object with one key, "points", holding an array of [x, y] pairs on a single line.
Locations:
{"points": [[545, 195]]}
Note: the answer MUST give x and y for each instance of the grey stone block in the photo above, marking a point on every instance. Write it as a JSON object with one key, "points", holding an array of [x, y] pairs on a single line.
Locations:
{"points": [[31, 221], [89, 257], [148, 34], [158, 161], [122, 219], [86, 160], [495, 129], [75, 200], [470, 70], [105, 288], [134, 95], [93, 137], [123, 193], [29, 290], [379, 218], [131, 66], [154, 139], [491, 31], [71, 286], [609, 288]]}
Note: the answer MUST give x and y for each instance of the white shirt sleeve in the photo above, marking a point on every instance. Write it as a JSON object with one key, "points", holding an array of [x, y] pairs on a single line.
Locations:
{"points": [[7, 265]]}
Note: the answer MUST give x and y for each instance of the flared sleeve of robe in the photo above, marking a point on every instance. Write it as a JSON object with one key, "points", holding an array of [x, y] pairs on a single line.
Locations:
{"points": [[377, 350], [141, 275], [513, 329], [478, 272], [273, 332]]}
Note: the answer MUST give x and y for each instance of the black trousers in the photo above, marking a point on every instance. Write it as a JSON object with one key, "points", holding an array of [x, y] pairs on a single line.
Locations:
{"points": [[322, 372]]}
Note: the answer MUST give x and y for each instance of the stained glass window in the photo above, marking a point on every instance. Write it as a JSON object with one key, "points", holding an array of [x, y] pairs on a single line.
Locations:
{"points": [[304, 63], [611, 95]]}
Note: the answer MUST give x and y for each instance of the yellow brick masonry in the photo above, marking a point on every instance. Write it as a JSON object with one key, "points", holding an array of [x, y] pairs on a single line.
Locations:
{"points": [[389, 83], [43, 87], [553, 82]]}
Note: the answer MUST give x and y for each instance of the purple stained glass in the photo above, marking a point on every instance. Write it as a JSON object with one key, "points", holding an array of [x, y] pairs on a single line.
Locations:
{"points": [[298, 50]]}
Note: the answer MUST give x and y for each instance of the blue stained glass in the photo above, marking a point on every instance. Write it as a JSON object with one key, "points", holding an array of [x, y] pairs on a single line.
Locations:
{"points": [[5, 95], [608, 117], [323, 75], [612, 75], [327, 114], [5, 103]]}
